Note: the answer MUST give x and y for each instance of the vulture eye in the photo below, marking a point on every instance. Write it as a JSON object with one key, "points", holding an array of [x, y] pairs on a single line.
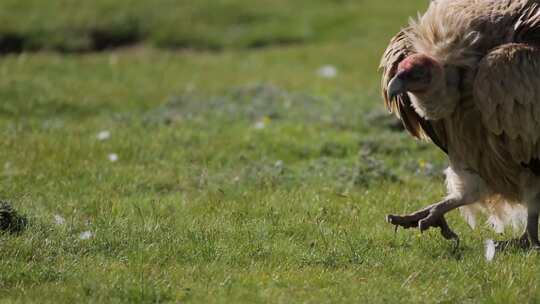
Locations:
{"points": [[419, 74]]}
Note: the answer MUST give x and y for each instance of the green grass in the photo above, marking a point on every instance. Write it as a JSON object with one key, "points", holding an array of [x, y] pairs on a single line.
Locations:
{"points": [[204, 205]]}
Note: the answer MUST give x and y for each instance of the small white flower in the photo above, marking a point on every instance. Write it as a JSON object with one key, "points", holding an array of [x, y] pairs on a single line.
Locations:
{"points": [[113, 157], [86, 235], [262, 123], [113, 59], [490, 250], [59, 220], [279, 164], [104, 135], [327, 71], [190, 87], [259, 125]]}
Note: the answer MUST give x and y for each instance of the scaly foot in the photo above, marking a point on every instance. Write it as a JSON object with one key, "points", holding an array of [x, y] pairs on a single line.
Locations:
{"points": [[407, 221], [522, 242], [424, 219]]}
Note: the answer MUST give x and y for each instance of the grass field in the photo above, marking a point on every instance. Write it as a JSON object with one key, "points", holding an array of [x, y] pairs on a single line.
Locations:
{"points": [[197, 155]]}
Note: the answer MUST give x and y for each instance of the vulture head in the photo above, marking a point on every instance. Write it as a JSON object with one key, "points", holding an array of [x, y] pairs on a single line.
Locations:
{"points": [[432, 86]]}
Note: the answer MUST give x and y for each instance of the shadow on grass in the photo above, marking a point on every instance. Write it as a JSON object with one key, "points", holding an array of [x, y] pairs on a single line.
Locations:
{"points": [[11, 43], [126, 34], [73, 41]]}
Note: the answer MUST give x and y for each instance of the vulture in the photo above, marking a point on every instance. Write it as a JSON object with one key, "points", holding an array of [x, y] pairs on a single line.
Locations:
{"points": [[465, 75]]}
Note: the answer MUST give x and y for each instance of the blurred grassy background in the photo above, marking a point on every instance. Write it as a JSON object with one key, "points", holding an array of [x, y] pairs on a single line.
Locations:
{"points": [[79, 26]]}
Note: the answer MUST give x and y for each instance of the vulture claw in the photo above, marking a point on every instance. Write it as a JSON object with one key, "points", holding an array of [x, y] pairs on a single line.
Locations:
{"points": [[407, 221], [423, 220], [446, 231], [521, 243], [529, 238], [390, 219], [456, 244], [440, 222]]}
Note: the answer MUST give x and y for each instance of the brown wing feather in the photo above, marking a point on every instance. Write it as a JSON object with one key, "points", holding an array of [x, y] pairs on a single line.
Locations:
{"points": [[507, 93], [398, 49]]}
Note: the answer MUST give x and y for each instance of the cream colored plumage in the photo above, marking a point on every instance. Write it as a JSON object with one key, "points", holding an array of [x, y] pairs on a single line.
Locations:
{"points": [[466, 75]]}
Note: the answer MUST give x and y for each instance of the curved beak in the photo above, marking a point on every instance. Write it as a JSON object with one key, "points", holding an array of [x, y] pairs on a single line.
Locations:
{"points": [[396, 86]]}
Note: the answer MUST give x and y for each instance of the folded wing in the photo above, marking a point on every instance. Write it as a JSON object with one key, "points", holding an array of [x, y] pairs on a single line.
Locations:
{"points": [[507, 93]]}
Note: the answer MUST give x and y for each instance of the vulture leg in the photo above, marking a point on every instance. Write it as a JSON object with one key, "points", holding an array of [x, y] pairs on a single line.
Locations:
{"points": [[408, 221], [464, 188], [431, 216], [532, 228], [529, 239], [437, 212], [521, 242]]}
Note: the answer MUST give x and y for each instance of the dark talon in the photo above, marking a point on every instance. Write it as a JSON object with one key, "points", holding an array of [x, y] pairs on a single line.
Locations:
{"points": [[423, 225], [446, 232], [456, 244], [406, 222], [423, 221], [529, 239], [522, 243]]}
